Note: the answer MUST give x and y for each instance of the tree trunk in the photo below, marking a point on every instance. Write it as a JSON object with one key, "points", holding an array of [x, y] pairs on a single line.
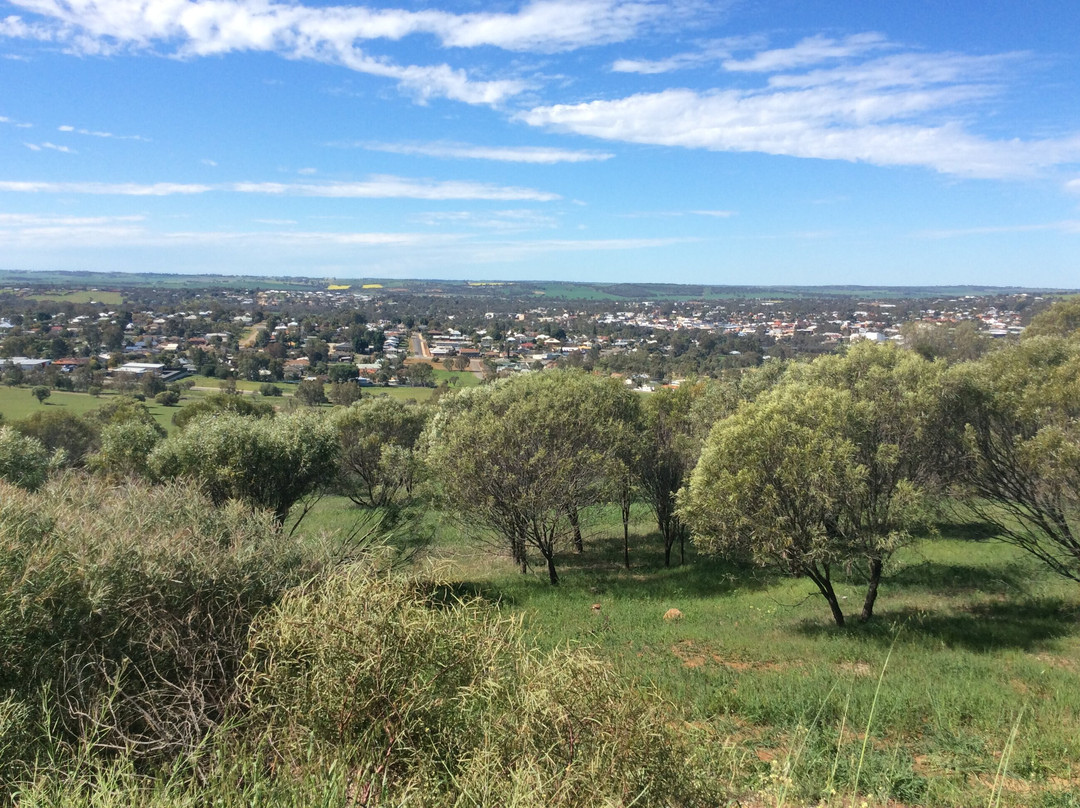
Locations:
{"points": [[667, 552], [682, 547], [626, 532], [871, 590], [579, 545], [552, 575], [518, 548], [824, 585]]}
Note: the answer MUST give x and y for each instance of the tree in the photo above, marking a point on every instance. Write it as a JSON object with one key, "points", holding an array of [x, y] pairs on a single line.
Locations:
{"points": [[269, 390], [24, 461], [310, 393], [518, 455], [1062, 319], [63, 431], [125, 449], [420, 374], [1019, 456], [378, 462], [897, 425], [342, 372], [167, 398], [769, 481], [40, 392], [345, 393], [668, 453], [218, 403], [266, 462], [122, 409]]}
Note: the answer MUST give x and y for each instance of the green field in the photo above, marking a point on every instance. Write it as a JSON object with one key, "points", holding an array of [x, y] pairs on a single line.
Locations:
{"points": [[81, 296], [456, 378], [979, 639], [17, 402]]}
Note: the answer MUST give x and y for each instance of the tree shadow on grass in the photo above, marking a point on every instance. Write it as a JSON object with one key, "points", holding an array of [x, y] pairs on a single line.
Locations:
{"points": [[1026, 625], [945, 578], [967, 530]]}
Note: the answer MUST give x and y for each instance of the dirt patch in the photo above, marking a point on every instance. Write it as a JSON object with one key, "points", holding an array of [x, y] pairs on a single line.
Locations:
{"points": [[857, 668], [694, 656]]}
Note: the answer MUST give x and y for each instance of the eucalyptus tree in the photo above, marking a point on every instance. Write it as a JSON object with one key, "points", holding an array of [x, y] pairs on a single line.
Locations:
{"points": [[1020, 452], [268, 463], [378, 462], [516, 456], [769, 484], [898, 426]]}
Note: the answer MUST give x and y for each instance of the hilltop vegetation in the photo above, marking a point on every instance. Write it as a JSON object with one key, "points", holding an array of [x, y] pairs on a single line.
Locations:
{"points": [[550, 590]]}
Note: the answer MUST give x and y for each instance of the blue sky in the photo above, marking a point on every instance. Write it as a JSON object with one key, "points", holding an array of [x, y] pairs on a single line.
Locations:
{"points": [[762, 141]]}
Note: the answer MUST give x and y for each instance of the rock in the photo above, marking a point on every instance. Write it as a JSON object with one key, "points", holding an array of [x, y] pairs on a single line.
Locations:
{"points": [[672, 614]]}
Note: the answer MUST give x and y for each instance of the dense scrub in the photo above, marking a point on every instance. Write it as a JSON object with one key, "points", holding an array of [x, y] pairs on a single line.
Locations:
{"points": [[155, 643]]}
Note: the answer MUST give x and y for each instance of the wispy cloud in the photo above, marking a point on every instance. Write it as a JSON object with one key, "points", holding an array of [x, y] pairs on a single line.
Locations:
{"points": [[501, 220], [51, 146], [90, 133], [810, 51], [378, 187], [506, 154], [1068, 226], [38, 220], [331, 34], [897, 110], [716, 214], [716, 50]]}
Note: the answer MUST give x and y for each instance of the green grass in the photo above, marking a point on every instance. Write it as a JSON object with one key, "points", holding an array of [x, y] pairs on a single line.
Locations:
{"points": [[981, 632], [464, 378], [81, 296]]}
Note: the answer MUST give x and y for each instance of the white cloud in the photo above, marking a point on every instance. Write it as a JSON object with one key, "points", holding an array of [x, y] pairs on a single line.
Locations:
{"points": [[824, 122], [713, 51], [72, 129], [1070, 227], [104, 188], [36, 219], [331, 34], [378, 187], [506, 154], [716, 214], [1073, 186], [810, 51], [52, 146], [501, 220]]}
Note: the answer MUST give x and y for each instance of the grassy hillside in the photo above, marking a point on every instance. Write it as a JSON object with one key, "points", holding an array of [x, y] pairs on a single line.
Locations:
{"points": [[972, 640]]}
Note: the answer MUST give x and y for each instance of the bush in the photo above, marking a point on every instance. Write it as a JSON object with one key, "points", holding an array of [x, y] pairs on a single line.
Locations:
{"points": [[269, 390], [58, 429], [422, 693], [24, 461], [266, 462], [128, 620], [167, 398], [125, 449], [218, 403]]}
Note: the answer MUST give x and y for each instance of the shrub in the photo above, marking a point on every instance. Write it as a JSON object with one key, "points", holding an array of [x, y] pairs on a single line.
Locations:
{"points": [[426, 694], [125, 449], [218, 403], [167, 398], [59, 429], [24, 461], [269, 390], [132, 615]]}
